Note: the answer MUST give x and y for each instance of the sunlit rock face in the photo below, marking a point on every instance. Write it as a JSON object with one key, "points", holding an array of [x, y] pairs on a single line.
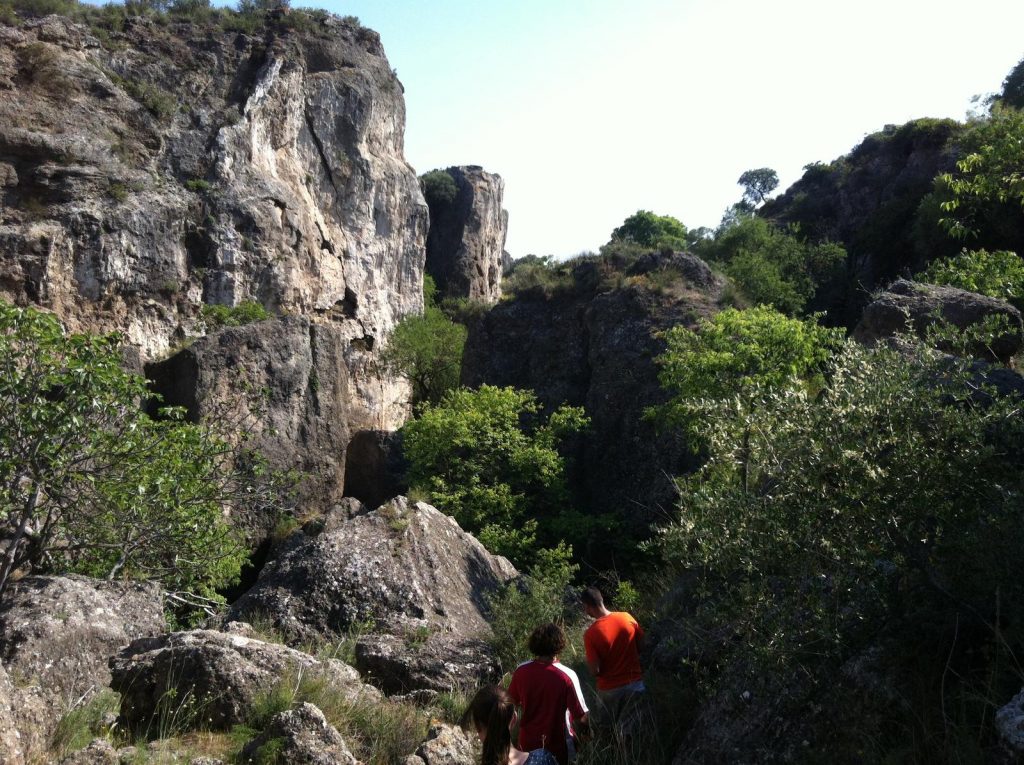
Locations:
{"points": [[175, 165], [466, 246]]}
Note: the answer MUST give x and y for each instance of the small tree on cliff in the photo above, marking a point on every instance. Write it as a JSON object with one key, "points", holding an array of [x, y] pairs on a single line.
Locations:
{"points": [[90, 484], [758, 184]]}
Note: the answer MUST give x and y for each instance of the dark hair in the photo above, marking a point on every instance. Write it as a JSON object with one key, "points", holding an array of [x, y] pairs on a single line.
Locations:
{"points": [[592, 597], [547, 640], [490, 713]]}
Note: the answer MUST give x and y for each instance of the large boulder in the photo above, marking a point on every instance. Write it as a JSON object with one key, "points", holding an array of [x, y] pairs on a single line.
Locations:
{"points": [[466, 243], [211, 678], [285, 381], [914, 307], [406, 568], [300, 736], [1010, 726], [445, 745], [430, 662], [58, 633]]}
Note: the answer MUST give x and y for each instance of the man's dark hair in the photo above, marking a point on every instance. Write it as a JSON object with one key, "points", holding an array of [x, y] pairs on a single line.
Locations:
{"points": [[592, 597], [547, 640]]}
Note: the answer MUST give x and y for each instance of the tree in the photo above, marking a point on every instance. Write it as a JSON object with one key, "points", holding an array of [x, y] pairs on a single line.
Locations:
{"points": [[646, 229], [773, 266], [89, 483], [758, 184], [489, 458], [892, 492], [427, 349], [439, 189], [984, 198], [1013, 87]]}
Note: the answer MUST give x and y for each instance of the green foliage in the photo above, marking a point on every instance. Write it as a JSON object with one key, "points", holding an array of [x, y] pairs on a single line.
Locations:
{"points": [[1013, 87], [987, 191], [537, 275], [90, 484], [489, 459], [773, 266], [891, 496], [439, 189], [652, 231], [758, 184], [198, 185], [83, 723], [246, 312], [427, 349], [739, 351], [535, 598], [378, 731], [998, 274]]}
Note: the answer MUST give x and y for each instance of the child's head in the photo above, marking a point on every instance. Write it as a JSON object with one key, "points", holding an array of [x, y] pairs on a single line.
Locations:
{"points": [[492, 713], [547, 640]]}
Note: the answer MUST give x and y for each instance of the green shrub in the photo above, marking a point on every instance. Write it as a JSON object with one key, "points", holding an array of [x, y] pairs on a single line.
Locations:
{"points": [[83, 723], [439, 189], [489, 459], [246, 312], [653, 232], [998, 274], [198, 185]]}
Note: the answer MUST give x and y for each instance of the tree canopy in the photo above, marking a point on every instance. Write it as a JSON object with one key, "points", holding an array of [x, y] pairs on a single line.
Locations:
{"points": [[89, 483], [758, 184], [646, 229]]}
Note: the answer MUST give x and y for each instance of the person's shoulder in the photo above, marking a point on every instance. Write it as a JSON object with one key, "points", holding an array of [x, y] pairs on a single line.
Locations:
{"points": [[569, 674]]}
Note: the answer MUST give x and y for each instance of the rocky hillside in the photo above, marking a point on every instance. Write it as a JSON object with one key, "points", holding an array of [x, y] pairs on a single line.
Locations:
{"points": [[172, 166], [591, 342]]}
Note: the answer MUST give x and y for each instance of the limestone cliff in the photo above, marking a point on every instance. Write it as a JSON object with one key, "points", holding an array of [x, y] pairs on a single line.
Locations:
{"points": [[466, 245], [172, 165]]}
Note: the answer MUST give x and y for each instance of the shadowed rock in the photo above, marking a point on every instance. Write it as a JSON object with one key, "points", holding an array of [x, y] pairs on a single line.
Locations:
{"points": [[300, 736]]}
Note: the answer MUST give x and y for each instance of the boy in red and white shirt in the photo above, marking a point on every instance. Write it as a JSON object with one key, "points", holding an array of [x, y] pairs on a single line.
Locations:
{"points": [[549, 695]]}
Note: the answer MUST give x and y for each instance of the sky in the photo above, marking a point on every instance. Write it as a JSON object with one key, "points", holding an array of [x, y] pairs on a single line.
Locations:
{"points": [[593, 109]]}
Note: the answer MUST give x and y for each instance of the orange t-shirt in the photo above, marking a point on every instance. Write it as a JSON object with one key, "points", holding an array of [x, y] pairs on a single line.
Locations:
{"points": [[611, 643]]}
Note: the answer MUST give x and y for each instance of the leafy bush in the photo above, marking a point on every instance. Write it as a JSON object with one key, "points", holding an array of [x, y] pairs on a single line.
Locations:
{"points": [[998, 274], [489, 459], [535, 598], [888, 502], [773, 266], [439, 189], [537, 275], [427, 349], [246, 312], [88, 483]]}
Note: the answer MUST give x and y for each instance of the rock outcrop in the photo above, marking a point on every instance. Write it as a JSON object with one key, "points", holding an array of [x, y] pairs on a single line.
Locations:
{"points": [[211, 678], [466, 244], [445, 745], [425, 661], [594, 346], [407, 574], [285, 381], [914, 307], [58, 633], [300, 736], [1010, 725], [171, 165], [404, 567]]}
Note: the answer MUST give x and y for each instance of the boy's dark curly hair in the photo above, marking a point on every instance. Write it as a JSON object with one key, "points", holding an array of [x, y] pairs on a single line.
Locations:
{"points": [[547, 640]]}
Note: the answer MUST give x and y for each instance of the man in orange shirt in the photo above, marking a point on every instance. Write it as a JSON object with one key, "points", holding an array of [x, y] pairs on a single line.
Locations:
{"points": [[613, 644]]}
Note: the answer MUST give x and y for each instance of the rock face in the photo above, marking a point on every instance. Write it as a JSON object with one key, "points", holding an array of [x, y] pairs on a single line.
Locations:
{"points": [[445, 745], [301, 736], [594, 346], [1010, 725], [211, 677], [374, 467], [466, 243], [58, 633], [288, 382], [427, 661], [869, 201], [24, 723], [173, 165], [405, 567], [914, 307]]}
